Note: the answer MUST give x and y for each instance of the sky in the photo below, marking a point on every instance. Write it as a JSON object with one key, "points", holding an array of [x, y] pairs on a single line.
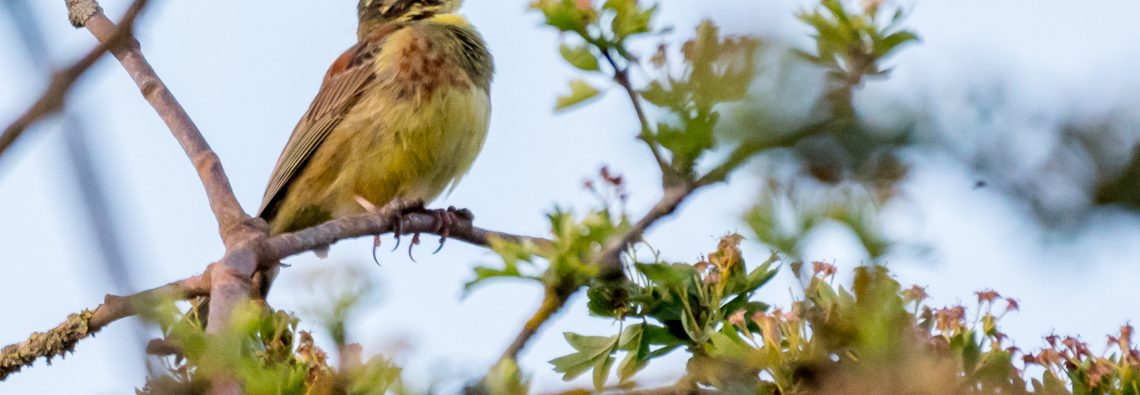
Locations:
{"points": [[245, 73]]}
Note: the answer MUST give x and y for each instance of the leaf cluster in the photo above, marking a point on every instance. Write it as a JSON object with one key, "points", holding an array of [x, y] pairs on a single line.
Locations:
{"points": [[672, 305], [263, 350], [851, 43]]}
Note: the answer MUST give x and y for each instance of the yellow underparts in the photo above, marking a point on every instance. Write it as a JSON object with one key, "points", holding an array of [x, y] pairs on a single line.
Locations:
{"points": [[411, 137]]}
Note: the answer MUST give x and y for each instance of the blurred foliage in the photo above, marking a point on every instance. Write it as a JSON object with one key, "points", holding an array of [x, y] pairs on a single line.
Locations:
{"points": [[1123, 189], [869, 337], [265, 352], [674, 306], [786, 213], [851, 43], [872, 337]]}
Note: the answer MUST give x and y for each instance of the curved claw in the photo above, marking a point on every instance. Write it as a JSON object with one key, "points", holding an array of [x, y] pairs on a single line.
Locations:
{"points": [[446, 219], [375, 245], [442, 240], [399, 228]]}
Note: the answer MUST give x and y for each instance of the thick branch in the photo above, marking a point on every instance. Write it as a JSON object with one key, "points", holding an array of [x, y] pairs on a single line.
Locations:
{"points": [[53, 98], [63, 338], [222, 201]]}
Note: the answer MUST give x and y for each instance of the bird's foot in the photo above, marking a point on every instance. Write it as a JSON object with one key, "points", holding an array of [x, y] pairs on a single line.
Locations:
{"points": [[402, 208], [405, 207], [371, 209], [446, 219]]}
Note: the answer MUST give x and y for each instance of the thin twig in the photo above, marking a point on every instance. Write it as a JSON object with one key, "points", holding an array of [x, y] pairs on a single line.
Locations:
{"points": [[621, 76], [53, 98], [552, 301], [747, 150], [610, 257]]}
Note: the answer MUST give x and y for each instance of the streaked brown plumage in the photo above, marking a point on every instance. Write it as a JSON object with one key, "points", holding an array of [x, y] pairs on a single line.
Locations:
{"points": [[401, 114]]}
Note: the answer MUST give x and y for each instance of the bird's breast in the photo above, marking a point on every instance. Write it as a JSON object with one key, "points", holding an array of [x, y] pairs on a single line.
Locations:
{"points": [[416, 64]]}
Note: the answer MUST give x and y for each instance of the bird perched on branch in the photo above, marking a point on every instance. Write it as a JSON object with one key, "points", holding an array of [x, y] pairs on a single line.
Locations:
{"points": [[400, 115]]}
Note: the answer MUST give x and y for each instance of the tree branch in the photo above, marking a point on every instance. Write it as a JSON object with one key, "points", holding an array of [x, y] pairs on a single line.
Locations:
{"points": [[552, 301], [53, 98], [610, 258], [63, 338], [222, 201], [381, 222], [81, 325], [749, 149], [621, 76]]}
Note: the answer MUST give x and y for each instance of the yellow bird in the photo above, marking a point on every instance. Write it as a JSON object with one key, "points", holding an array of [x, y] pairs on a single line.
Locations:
{"points": [[400, 115]]}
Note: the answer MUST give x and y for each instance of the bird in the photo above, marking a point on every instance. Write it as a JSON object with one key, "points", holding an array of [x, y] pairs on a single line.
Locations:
{"points": [[400, 115]]}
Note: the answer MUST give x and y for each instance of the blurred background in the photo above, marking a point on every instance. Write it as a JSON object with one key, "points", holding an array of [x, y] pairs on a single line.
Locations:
{"points": [[1020, 145]]}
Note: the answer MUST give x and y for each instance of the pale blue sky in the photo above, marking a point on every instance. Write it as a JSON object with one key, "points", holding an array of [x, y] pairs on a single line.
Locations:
{"points": [[245, 83]]}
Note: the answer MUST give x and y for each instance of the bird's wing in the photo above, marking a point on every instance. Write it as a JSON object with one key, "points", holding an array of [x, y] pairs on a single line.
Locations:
{"points": [[350, 75]]}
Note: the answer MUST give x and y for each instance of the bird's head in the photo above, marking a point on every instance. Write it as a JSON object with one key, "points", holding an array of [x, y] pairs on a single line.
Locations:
{"points": [[383, 11]]}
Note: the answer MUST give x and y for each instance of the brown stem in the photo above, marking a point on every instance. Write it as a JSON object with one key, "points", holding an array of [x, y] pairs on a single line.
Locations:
{"points": [[747, 150], [621, 76], [552, 301], [610, 258]]}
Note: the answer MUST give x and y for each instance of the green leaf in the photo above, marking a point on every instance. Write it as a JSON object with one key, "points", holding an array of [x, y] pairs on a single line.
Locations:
{"points": [[756, 278], [486, 273], [592, 345], [668, 275], [580, 91], [579, 56], [629, 18], [565, 15], [636, 343], [592, 351], [505, 378], [660, 336], [727, 344], [891, 42], [692, 328], [996, 368], [602, 370]]}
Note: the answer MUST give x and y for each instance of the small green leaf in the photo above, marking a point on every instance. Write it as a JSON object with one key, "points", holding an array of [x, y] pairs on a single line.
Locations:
{"points": [[602, 370], [891, 42], [580, 57], [580, 91], [592, 345]]}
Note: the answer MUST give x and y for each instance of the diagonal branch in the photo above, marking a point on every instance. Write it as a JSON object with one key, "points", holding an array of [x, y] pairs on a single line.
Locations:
{"points": [[87, 13], [621, 76], [231, 284], [749, 149]]}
